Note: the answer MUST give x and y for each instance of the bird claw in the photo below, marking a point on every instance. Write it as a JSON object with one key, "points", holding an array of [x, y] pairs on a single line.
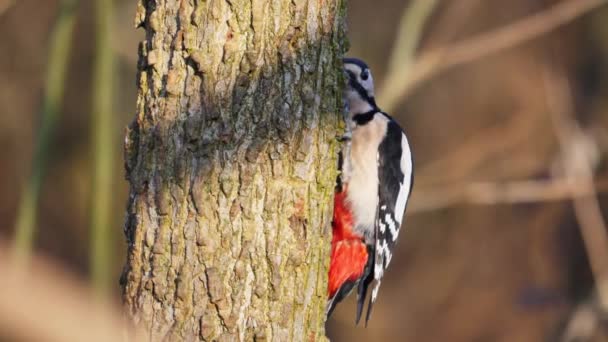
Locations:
{"points": [[344, 137]]}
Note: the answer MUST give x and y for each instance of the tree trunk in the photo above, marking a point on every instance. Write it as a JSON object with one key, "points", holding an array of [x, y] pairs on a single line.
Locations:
{"points": [[232, 165]]}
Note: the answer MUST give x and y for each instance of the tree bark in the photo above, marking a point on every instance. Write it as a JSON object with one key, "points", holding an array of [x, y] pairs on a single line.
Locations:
{"points": [[231, 161]]}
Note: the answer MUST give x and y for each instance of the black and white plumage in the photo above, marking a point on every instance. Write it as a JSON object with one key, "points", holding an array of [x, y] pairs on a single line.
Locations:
{"points": [[378, 171]]}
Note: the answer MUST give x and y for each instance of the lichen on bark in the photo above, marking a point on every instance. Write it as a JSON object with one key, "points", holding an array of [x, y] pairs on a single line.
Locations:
{"points": [[231, 161]]}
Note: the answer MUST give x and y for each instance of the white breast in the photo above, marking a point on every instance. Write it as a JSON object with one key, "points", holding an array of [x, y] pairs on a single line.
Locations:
{"points": [[363, 179]]}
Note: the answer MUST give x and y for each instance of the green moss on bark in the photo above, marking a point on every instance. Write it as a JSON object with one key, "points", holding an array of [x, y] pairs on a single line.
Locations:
{"points": [[232, 162]]}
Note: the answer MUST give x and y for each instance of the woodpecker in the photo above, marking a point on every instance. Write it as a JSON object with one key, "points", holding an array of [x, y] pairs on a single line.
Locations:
{"points": [[375, 183]]}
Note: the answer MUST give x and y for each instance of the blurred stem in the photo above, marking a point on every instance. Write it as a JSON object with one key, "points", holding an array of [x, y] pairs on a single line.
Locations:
{"points": [[577, 150], [400, 82], [5, 5], [103, 143], [411, 26], [59, 53], [408, 38]]}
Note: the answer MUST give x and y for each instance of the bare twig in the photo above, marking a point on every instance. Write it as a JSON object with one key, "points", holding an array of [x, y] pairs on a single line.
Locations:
{"points": [[583, 321], [488, 193], [577, 165], [435, 61], [480, 146], [5, 5], [60, 46], [103, 145], [410, 30]]}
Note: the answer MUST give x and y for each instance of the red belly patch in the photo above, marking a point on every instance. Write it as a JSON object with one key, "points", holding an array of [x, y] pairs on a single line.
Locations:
{"points": [[348, 251]]}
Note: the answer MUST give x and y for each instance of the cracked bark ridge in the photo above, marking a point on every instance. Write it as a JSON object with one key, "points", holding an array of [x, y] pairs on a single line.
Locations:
{"points": [[231, 161]]}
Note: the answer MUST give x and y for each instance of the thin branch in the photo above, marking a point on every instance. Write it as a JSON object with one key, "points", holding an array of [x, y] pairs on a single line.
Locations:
{"points": [[60, 46], [583, 321], [577, 165], [103, 145], [431, 63], [409, 34], [478, 147], [5, 5], [488, 193]]}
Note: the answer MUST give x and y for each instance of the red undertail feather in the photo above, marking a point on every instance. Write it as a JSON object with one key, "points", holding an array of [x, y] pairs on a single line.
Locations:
{"points": [[348, 251]]}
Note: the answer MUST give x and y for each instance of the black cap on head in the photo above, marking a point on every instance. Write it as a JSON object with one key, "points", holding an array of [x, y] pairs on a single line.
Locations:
{"points": [[355, 61]]}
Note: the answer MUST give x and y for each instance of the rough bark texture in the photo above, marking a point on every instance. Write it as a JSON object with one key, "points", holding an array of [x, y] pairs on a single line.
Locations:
{"points": [[232, 163]]}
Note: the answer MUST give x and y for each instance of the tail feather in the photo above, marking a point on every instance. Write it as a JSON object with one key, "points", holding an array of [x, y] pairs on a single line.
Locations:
{"points": [[372, 300], [344, 291], [366, 279], [331, 305]]}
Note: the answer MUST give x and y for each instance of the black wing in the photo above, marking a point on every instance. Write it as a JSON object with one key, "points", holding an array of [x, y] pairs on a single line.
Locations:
{"points": [[395, 172]]}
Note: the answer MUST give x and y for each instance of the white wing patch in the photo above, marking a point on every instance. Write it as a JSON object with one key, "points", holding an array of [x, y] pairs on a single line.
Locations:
{"points": [[382, 227], [393, 220], [383, 257], [393, 226], [404, 191]]}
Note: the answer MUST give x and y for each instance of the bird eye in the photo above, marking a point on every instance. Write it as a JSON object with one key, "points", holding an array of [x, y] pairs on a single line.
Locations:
{"points": [[365, 74]]}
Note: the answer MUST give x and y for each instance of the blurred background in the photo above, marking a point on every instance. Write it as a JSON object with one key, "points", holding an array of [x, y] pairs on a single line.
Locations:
{"points": [[505, 106]]}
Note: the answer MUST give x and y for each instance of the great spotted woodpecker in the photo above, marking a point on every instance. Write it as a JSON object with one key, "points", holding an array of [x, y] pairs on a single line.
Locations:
{"points": [[371, 196]]}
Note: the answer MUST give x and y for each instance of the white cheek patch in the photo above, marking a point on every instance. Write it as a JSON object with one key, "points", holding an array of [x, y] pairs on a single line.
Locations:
{"points": [[369, 85], [355, 69]]}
